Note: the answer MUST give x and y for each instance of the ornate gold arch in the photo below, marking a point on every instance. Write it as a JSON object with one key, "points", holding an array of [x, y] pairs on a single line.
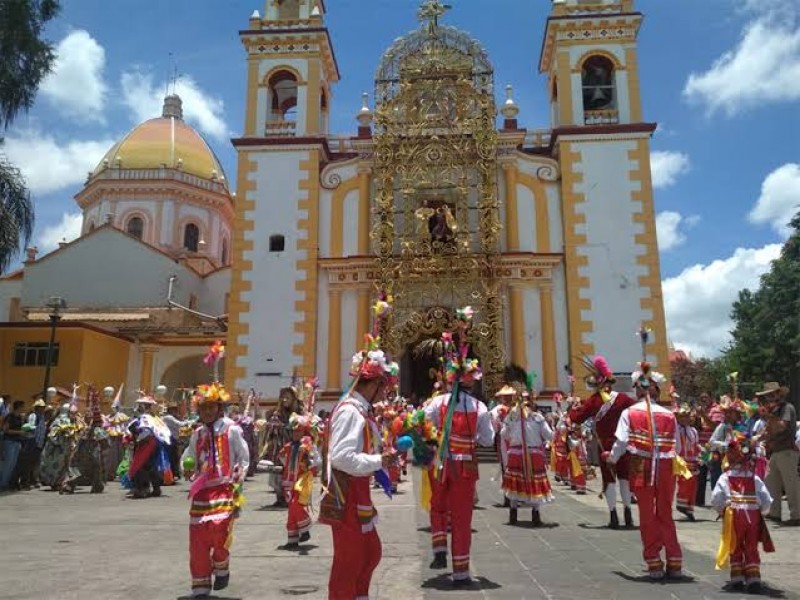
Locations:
{"points": [[436, 224]]}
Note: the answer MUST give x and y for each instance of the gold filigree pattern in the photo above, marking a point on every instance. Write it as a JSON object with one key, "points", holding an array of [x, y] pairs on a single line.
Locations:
{"points": [[435, 216]]}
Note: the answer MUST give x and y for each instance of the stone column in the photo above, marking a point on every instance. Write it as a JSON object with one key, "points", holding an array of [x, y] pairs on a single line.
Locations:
{"points": [[334, 339], [549, 357]]}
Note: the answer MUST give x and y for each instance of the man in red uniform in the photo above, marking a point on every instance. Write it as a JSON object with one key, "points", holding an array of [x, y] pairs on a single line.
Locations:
{"points": [[470, 426], [354, 455], [605, 407], [647, 434]]}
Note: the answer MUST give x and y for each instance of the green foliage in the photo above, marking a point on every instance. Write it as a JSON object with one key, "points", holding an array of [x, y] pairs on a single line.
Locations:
{"points": [[691, 378], [25, 59], [766, 334]]}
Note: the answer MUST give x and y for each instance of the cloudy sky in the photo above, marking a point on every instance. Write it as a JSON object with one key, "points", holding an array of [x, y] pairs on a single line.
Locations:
{"points": [[721, 77]]}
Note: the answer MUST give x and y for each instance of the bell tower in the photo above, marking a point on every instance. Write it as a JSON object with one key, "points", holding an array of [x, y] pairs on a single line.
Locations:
{"points": [[291, 67], [602, 143]]}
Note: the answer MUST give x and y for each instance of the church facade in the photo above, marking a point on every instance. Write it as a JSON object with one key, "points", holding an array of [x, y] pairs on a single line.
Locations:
{"points": [[443, 198]]}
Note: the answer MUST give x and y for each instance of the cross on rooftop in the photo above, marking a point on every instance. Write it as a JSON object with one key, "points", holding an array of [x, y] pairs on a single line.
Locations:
{"points": [[431, 10]]}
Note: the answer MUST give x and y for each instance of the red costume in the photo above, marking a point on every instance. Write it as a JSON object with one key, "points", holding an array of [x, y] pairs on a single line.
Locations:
{"points": [[300, 461], [690, 451], [578, 463], [458, 474], [560, 457]]}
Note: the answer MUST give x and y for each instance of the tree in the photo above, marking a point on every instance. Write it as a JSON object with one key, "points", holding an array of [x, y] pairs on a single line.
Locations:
{"points": [[692, 377], [766, 334], [25, 59]]}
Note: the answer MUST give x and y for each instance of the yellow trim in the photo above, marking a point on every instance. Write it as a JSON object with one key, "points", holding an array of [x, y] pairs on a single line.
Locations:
{"points": [[362, 317], [634, 88], [618, 66], [573, 261], [654, 301], [363, 212], [542, 216], [510, 170], [313, 98], [334, 340], [564, 82], [337, 215], [306, 351], [549, 356], [518, 353], [148, 354], [237, 306], [251, 110], [298, 76]]}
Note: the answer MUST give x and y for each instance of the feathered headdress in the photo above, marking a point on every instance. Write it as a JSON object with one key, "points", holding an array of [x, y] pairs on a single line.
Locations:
{"points": [[644, 376], [599, 371]]}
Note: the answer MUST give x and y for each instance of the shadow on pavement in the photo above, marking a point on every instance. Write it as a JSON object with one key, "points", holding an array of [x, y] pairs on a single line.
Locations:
{"points": [[606, 527], [663, 581], [445, 583], [766, 591], [530, 525], [211, 597]]}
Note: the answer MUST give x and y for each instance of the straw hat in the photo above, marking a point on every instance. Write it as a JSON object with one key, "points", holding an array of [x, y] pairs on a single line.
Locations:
{"points": [[506, 390], [773, 387]]}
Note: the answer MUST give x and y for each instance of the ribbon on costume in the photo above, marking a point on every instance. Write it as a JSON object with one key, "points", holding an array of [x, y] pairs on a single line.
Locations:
{"points": [[575, 464], [425, 492], [680, 468], [727, 541], [304, 487]]}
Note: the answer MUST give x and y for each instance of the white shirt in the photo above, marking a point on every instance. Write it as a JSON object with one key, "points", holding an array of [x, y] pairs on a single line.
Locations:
{"points": [[721, 496], [238, 451], [484, 434], [494, 415], [537, 431], [346, 441], [624, 428]]}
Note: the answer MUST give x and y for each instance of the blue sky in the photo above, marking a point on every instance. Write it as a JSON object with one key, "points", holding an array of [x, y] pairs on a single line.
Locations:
{"points": [[721, 77]]}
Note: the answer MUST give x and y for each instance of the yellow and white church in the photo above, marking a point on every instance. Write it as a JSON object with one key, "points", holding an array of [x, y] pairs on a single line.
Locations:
{"points": [[441, 197]]}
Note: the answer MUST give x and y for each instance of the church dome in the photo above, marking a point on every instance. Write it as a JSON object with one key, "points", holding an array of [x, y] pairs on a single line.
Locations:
{"points": [[165, 141]]}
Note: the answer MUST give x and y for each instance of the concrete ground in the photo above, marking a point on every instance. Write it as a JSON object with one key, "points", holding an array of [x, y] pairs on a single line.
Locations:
{"points": [[109, 547]]}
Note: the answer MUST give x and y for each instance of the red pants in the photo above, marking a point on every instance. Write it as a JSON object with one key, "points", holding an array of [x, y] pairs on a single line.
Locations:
{"points": [[458, 493], [562, 467], [656, 526], [356, 553], [687, 493], [298, 521], [438, 513], [208, 552], [745, 559]]}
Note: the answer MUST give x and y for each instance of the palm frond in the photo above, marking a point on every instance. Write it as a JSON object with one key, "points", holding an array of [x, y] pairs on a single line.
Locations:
{"points": [[16, 213], [515, 373], [430, 348]]}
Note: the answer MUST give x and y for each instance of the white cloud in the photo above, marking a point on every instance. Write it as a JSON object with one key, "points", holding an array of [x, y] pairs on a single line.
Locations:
{"points": [[67, 230], [667, 166], [671, 229], [763, 68], [780, 198], [76, 87], [146, 100], [48, 165], [698, 302]]}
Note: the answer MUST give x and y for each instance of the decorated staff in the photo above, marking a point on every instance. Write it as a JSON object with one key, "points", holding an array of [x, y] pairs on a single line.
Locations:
{"points": [[215, 354], [464, 423], [353, 456]]}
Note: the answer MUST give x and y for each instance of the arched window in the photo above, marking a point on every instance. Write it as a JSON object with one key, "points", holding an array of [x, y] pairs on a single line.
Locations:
{"points": [[191, 237], [135, 227], [283, 96], [277, 243], [597, 77], [224, 252]]}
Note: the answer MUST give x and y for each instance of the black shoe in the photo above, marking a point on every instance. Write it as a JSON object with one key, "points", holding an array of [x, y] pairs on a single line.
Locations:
{"points": [[439, 561], [304, 537], [156, 493], [628, 516], [536, 518], [221, 581], [512, 516], [754, 587], [613, 522], [734, 586], [506, 502], [687, 513], [280, 502], [462, 583], [289, 546]]}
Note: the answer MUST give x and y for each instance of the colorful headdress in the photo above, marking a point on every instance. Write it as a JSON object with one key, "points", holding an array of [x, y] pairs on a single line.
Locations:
{"points": [[301, 422], [725, 403], [740, 448], [372, 363], [683, 410], [214, 392], [644, 376], [599, 372]]}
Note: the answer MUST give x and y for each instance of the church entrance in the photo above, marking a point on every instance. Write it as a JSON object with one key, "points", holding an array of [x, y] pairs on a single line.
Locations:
{"points": [[420, 368]]}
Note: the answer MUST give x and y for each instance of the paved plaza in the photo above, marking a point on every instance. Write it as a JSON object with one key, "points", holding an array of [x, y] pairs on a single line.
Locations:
{"points": [[109, 547]]}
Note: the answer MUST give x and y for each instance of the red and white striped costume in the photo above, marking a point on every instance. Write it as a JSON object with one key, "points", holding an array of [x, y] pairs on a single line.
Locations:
{"points": [[220, 457], [690, 451], [298, 458], [647, 433], [471, 426], [533, 488]]}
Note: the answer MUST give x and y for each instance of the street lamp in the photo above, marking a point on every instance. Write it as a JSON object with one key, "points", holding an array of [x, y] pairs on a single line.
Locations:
{"points": [[56, 305]]}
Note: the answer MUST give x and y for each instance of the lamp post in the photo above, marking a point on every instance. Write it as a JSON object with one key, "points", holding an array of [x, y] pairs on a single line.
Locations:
{"points": [[56, 305]]}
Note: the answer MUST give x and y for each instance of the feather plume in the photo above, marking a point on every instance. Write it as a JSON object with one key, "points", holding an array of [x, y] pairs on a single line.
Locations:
{"points": [[430, 348], [514, 373], [601, 366]]}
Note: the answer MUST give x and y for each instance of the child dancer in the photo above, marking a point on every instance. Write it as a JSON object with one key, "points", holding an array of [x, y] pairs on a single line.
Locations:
{"points": [[300, 460]]}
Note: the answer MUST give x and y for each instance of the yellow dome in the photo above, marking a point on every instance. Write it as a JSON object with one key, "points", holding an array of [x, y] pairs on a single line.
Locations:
{"points": [[166, 140]]}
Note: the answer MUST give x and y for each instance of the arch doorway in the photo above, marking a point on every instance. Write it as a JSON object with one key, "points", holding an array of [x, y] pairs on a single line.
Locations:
{"points": [[419, 366], [188, 372]]}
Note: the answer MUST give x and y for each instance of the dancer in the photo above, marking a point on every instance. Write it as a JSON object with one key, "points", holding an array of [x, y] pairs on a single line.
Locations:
{"points": [[525, 478], [353, 456], [647, 434], [150, 463], [690, 451], [741, 497], [216, 462], [606, 406], [577, 460], [300, 460], [498, 415]]}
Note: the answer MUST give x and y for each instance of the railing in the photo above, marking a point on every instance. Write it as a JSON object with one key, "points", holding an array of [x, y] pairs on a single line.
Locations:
{"points": [[537, 138], [280, 128], [601, 117], [122, 174]]}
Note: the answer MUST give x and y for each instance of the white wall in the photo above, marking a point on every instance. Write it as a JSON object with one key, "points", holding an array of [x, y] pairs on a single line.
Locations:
{"points": [[9, 288], [212, 292], [272, 299]]}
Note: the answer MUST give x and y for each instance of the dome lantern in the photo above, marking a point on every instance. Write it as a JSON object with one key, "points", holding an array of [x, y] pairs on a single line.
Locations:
{"points": [[173, 107]]}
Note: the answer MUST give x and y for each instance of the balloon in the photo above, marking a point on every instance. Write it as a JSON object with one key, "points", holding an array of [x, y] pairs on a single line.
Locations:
{"points": [[188, 464], [404, 444]]}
